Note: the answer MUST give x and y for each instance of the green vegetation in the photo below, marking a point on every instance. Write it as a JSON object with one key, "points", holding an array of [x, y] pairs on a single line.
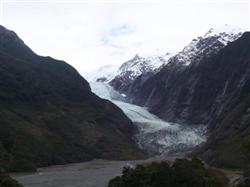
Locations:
{"points": [[246, 148], [7, 181], [183, 173], [223, 148], [246, 183]]}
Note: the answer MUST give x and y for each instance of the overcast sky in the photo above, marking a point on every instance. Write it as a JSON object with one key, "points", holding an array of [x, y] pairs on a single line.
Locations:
{"points": [[89, 34]]}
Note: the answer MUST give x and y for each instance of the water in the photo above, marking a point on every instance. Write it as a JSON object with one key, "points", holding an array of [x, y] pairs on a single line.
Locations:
{"points": [[155, 136]]}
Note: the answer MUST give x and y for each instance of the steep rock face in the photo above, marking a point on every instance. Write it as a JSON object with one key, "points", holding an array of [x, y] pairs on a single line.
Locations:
{"points": [[214, 91], [48, 114], [230, 120], [170, 93]]}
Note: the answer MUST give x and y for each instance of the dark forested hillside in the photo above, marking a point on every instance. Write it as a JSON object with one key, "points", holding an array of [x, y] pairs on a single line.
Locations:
{"points": [[48, 114]]}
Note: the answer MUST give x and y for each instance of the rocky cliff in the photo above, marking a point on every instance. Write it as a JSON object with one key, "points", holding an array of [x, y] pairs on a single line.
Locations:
{"points": [[211, 90]]}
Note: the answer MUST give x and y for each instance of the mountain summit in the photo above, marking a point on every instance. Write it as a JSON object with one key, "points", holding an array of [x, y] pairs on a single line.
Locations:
{"points": [[136, 67]]}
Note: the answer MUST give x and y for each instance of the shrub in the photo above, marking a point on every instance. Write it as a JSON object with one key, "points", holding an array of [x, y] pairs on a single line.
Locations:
{"points": [[7, 181], [181, 173]]}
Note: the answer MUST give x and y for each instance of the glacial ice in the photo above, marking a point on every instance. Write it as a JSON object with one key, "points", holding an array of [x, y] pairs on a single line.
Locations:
{"points": [[155, 136]]}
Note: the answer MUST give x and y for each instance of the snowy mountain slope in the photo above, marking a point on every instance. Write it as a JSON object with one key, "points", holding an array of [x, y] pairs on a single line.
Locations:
{"points": [[130, 69], [136, 67], [135, 72], [139, 65], [214, 40], [151, 92]]}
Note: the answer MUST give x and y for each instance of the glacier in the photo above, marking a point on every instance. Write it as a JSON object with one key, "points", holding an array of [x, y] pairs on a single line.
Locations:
{"points": [[155, 136]]}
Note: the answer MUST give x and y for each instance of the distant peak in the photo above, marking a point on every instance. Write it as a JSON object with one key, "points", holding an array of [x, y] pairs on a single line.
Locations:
{"points": [[137, 56]]}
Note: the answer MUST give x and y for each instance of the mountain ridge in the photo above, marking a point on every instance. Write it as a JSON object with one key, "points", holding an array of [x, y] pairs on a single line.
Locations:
{"points": [[137, 70], [48, 114]]}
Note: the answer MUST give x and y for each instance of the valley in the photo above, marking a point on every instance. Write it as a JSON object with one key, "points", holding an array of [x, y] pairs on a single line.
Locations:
{"points": [[155, 136], [58, 129]]}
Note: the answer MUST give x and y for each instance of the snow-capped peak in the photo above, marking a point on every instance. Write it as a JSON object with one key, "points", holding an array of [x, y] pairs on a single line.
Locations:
{"points": [[139, 65], [210, 43], [214, 40]]}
